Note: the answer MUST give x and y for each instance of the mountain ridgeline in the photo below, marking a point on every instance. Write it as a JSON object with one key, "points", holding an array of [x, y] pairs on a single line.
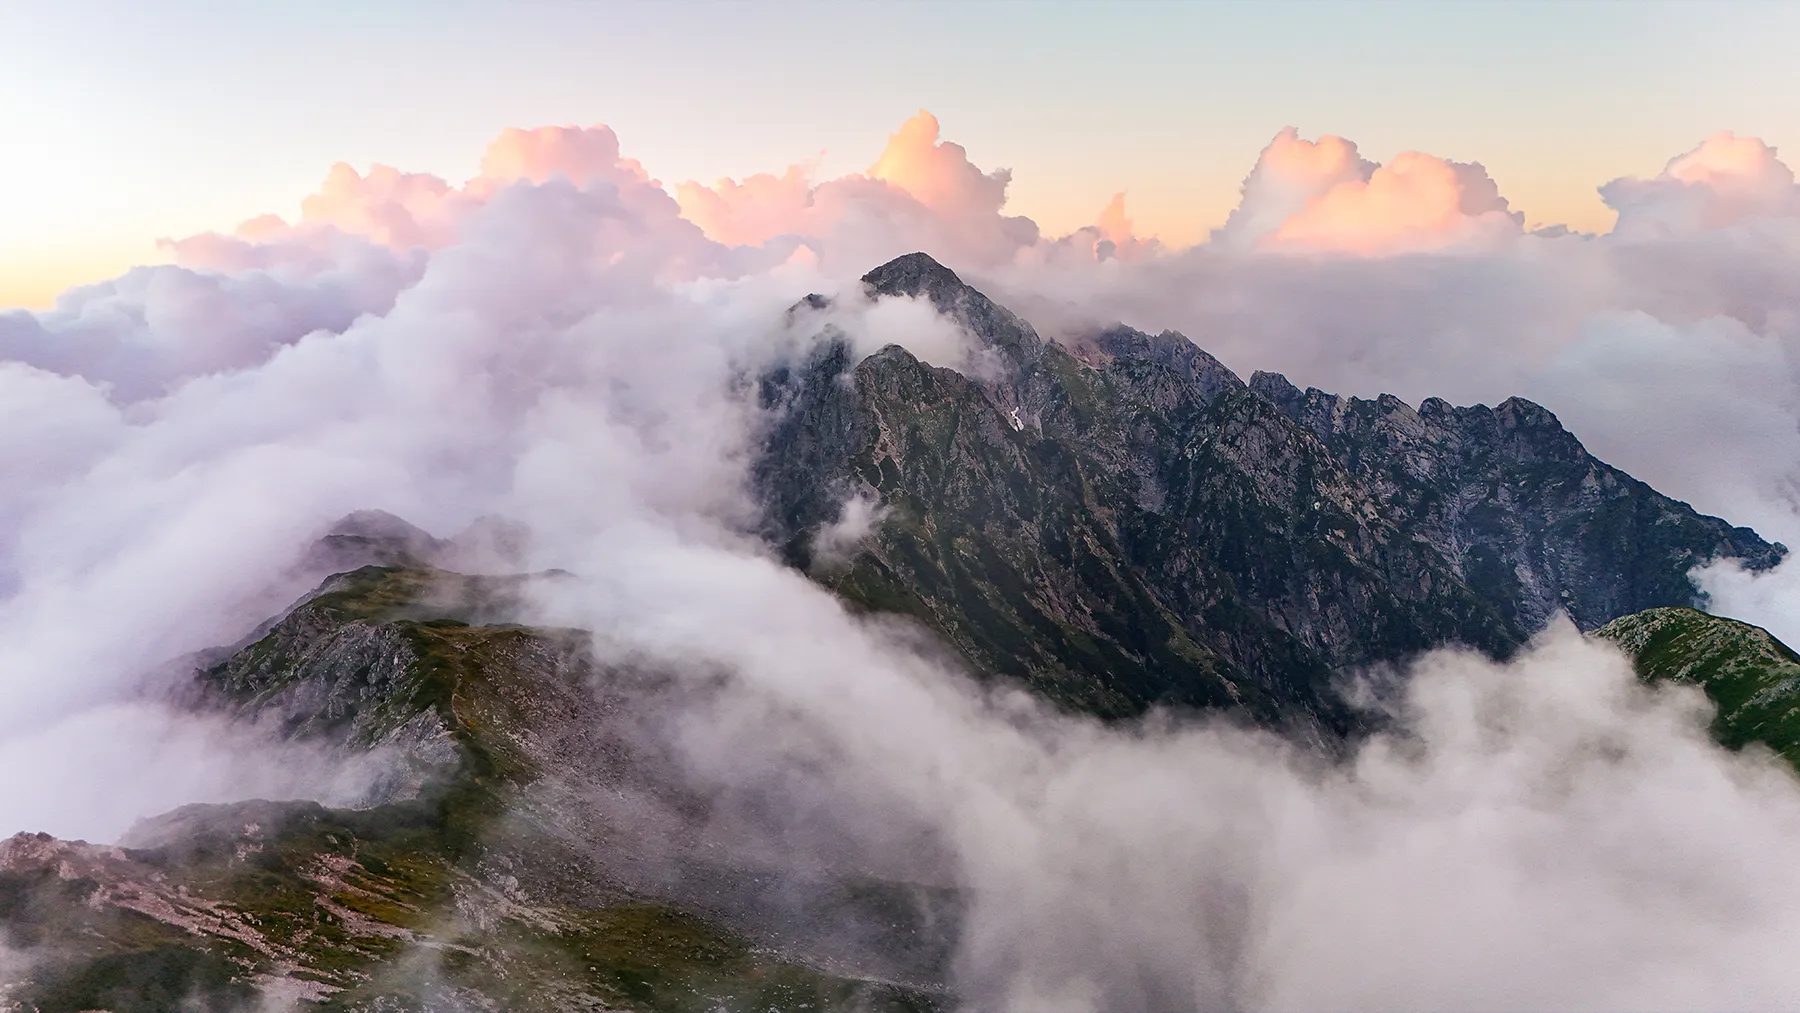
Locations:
{"points": [[1124, 522], [1119, 523], [530, 852]]}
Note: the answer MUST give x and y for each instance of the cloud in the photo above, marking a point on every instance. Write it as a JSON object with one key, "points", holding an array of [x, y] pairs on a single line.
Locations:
{"points": [[149, 330], [407, 210], [922, 193], [1289, 174], [1639, 390], [1728, 180], [1502, 315], [557, 340], [581, 155], [1109, 238], [756, 210], [1414, 203], [860, 516], [97, 772], [1549, 813], [938, 173], [396, 209], [1322, 196]]}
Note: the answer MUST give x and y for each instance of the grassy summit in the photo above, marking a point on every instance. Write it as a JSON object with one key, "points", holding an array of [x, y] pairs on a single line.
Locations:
{"points": [[1753, 678]]}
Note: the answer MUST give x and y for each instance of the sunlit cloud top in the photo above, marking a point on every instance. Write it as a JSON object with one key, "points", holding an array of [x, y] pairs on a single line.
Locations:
{"points": [[127, 125]]}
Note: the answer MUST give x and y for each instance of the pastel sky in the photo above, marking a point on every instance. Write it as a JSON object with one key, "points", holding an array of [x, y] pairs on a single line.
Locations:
{"points": [[125, 123]]}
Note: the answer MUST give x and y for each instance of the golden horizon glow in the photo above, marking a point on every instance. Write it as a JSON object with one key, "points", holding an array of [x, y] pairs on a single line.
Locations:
{"points": [[34, 280], [1180, 213], [117, 137]]}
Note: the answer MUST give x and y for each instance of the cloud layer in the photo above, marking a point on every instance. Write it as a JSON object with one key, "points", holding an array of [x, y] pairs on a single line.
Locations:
{"points": [[557, 340]]}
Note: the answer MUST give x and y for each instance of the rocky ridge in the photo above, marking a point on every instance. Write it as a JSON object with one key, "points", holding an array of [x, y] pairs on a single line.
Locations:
{"points": [[503, 866], [1117, 523], [1124, 522]]}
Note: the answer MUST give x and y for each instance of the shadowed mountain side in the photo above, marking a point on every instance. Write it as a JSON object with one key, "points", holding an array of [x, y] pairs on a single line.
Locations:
{"points": [[1134, 525]]}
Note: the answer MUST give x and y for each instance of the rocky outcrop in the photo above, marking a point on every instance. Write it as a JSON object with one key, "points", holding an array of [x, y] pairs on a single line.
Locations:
{"points": [[1531, 521], [1124, 522]]}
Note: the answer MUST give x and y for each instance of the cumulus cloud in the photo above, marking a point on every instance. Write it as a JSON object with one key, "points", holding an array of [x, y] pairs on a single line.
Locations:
{"points": [[1725, 181], [756, 210], [407, 210], [1290, 173], [1413, 203], [579, 154], [922, 193], [151, 329], [1110, 238], [938, 173], [396, 209], [1322, 196], [557, 340]]}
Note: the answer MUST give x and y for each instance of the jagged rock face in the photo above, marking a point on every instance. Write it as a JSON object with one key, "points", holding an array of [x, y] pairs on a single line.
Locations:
{"points": [[919, 276], [361, 659], [1126, 522], [1534, 522]]}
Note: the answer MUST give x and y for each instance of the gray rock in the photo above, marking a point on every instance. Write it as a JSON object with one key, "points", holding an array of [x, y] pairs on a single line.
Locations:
{"points": [[1124, 522]]}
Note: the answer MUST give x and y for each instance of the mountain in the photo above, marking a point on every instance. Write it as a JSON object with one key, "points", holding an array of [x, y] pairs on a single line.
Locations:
{"points": [[1124, 522], [1117, 523], [1751, 677], [503, 868]]}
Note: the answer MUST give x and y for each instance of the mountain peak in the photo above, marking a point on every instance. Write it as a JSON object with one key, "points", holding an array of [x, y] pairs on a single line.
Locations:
{"points": [[918, 275], [372, 537], [913, 275]]}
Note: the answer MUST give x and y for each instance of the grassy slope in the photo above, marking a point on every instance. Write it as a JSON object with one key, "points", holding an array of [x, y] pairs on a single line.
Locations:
{"points": [[389, 908], [1751, 677]]}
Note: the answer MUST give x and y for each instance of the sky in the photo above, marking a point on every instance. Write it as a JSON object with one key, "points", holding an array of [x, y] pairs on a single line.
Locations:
{"points": [[128, 123], [522, 323]]}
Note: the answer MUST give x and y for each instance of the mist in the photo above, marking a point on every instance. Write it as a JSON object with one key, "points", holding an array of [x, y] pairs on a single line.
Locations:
{"points": [[1547, 834], [561, 341]]}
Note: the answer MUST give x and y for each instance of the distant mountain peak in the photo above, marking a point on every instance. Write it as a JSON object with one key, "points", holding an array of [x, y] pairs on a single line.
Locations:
{"points": [[1124, 522], [915, 274], [372, 537]]}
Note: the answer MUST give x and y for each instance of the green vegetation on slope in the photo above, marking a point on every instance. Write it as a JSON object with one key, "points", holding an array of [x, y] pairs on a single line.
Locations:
{"points": [[443, 900], [1753, 678]]}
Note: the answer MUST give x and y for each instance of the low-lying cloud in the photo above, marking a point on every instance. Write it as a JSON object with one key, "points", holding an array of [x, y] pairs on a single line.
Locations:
{"points": [[558, 340], [1542, 834], [94, 773]]}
